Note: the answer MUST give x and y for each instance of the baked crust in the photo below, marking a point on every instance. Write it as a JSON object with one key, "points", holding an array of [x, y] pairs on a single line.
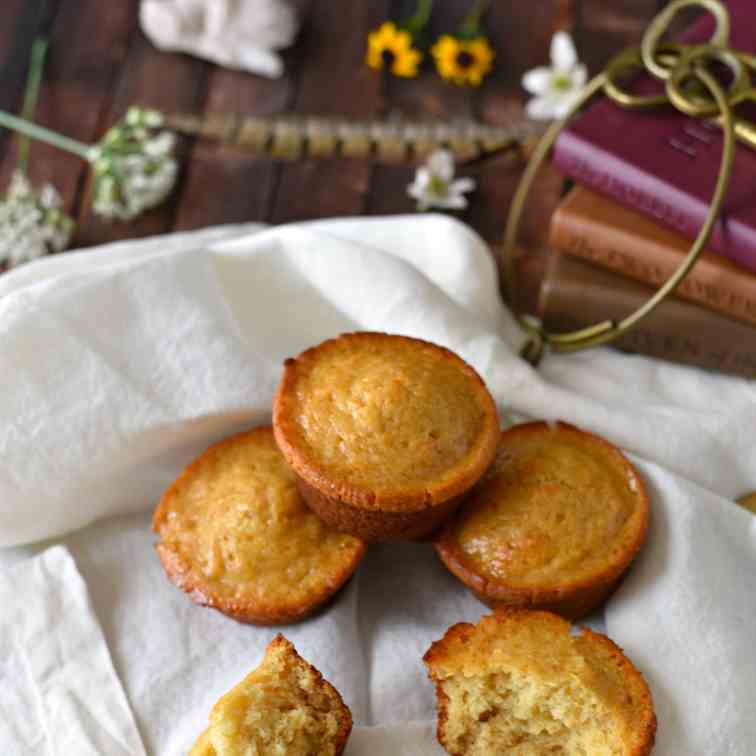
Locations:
{"points": [[373, 525], [468, 650], [203, 746], [646, 725], [236, 536], [521, 535], [376, 423], [284, 682]]}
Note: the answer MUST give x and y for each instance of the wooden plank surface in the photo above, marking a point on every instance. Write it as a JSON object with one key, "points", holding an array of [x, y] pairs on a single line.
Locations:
{"points": [[23, 21], [168, 82], [332, 82], [427, 97], [247, 181], [100, 63], [87, 49]]}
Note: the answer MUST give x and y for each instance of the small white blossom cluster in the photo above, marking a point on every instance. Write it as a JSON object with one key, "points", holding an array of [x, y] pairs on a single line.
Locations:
{"points": [[556, 87], [134, 167], [435, 186], [32, 223]]}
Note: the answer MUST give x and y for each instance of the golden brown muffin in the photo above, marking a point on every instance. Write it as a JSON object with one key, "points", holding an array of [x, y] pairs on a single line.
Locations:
{"points": [[385, 432], [236, 535], [554, 524], [282, 708], [518, 683]]}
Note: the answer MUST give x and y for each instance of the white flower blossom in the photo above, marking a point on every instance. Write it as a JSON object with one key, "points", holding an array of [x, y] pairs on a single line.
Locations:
{"points": [[32, 223], [435, 186], [555, 89], [134, 168]]}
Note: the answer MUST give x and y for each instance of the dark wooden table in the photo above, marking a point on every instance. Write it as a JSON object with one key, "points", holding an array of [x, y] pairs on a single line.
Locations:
{"points": [[100, 63]]}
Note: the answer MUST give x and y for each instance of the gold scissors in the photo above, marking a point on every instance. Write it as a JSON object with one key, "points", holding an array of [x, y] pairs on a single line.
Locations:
{"points": [[680, 66], [693, 87]]}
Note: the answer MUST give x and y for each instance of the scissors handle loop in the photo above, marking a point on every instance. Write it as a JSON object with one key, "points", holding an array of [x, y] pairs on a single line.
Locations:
{"points": [[650, 46], [683, 69]]}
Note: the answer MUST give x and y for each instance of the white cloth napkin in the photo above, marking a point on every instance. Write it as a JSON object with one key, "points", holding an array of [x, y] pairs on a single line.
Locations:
{"points": [[58, 689], [119, 365]]}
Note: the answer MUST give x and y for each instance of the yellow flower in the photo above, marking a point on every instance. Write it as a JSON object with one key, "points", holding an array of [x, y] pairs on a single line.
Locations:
{"points": [[392, 47], [463, 61]]}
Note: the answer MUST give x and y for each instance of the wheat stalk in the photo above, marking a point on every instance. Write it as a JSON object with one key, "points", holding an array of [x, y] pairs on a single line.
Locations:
{"points": [[293, 137]]}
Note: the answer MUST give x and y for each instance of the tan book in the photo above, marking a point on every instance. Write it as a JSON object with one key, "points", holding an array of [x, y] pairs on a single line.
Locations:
{"points": [[594, 228], [576, 294]]}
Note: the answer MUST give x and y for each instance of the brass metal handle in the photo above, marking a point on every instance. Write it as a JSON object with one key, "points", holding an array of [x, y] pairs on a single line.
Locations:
{"points": [[626, 62], [660, 26], [691, 62]]}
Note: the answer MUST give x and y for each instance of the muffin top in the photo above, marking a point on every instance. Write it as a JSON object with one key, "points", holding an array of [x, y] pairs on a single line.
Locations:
{"points": [[236, 535], [385, 422], [540, 644], [558, 507]]}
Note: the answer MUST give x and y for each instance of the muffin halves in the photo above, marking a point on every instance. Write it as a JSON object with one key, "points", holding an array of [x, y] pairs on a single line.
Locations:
{"points": [[284, 707], [519, 683]]}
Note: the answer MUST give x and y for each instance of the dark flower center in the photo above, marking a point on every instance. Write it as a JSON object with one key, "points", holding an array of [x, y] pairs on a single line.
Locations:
{"points": [[464, 59], [388, 57]]}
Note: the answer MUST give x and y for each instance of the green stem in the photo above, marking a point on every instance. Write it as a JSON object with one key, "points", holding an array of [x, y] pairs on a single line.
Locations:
{"points": [[471, 25], [42, 134], [418, 22], [33, 81]]}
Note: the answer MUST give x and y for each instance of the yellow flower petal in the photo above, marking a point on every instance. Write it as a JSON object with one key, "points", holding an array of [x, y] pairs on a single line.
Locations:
{"points": [[380, 38], [445, 47], [375, 46], [407, 64], [475, 77], [386, 31], [373, 58], [402, 41], [480, 48], [404, 59], [463, 61]]}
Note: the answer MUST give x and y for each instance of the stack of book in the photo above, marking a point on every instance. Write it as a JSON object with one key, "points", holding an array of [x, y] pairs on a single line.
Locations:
{"points": [[643, 185]]}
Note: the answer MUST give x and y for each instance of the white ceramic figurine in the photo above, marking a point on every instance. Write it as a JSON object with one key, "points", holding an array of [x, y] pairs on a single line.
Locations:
{"points": [[242, 34]]}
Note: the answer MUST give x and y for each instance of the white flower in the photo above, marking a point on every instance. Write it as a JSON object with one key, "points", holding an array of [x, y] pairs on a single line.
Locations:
{"points": [[32, 223], [434, 184], [160, 145], [134, 169], [555, 89]]}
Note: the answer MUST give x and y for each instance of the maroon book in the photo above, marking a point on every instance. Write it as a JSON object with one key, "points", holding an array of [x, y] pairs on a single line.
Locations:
{"points": [[664, 163]]}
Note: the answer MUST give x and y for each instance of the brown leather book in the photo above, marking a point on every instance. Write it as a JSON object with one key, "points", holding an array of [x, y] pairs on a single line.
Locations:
{"points": [[575, 294], [592, 227]]}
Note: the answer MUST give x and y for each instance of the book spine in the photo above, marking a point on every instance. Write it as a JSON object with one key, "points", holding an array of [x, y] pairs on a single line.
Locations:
{"points": [[576, 295], [713, 284], [614, 177]]}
